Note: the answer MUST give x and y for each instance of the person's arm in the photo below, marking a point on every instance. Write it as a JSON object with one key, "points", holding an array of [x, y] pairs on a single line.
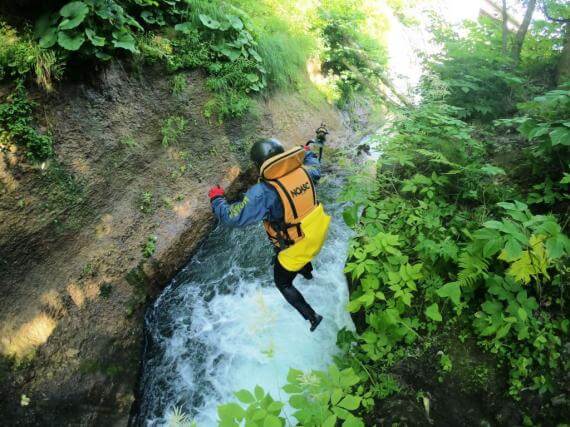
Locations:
{"points": [[251, 209], [312, 165]]}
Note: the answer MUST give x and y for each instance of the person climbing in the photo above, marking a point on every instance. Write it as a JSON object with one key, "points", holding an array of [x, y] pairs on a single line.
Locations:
{"points": [[286, 201]]}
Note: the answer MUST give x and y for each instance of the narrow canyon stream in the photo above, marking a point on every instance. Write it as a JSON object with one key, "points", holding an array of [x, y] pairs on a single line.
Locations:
{"points": [[221, 324]]}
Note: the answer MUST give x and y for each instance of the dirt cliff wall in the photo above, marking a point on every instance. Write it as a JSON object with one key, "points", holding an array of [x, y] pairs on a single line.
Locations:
{"points": [[74, 280]]}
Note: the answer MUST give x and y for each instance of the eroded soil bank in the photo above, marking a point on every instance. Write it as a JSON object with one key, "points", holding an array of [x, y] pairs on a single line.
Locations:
{"points": [[74, 279]]}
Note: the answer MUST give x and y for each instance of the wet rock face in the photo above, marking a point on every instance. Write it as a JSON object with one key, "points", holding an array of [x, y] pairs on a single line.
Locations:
{"points": [[89, 237]]}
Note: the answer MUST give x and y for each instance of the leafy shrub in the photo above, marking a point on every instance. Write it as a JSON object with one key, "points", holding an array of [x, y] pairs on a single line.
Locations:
{"points": [[179, 84], [261, 410], [149, 247], [436, 241], [478, 75], [545, 124], [323, 398], [97, 27], [20, 56], [284, 54], [146, 202], [172, 129], [320, 399], [16, 126], [16, 54], [353, 56], [227, 50]]}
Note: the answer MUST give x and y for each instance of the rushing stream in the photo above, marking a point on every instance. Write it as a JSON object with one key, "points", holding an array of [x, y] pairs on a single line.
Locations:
{"points": [[221, 325]]}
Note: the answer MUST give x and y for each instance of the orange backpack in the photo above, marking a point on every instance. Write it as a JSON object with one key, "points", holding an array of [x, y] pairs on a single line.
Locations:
{"points": [[287, 175]]}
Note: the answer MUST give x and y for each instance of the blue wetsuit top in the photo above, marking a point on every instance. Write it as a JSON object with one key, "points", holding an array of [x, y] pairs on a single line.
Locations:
{"points": [[260, 202]]}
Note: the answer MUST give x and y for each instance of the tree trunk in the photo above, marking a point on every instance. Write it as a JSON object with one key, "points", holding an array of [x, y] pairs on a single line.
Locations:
{"points": [[505, 26], [521, 33], [563, 71]]}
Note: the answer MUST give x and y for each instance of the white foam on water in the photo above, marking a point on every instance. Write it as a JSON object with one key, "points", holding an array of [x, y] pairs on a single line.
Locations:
{"points": [[261, 336], [235, 330]]}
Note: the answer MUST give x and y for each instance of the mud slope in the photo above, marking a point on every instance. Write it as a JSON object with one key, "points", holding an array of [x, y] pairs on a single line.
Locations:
{"points": [[73, 276]]}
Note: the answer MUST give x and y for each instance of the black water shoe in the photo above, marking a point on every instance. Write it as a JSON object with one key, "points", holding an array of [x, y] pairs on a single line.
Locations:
{"points": [[316, 321]]}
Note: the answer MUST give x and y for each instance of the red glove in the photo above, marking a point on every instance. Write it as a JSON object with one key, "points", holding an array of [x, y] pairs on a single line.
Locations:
{"points": [[215, 192], [307, 147]]}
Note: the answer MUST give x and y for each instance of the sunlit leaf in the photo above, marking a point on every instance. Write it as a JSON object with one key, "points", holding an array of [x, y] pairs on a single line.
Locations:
{"points": [[432, 312], [74, 14]]}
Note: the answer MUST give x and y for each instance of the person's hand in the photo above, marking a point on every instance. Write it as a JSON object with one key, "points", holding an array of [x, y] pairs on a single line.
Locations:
{"points": [[307, 146], [215, 192]]}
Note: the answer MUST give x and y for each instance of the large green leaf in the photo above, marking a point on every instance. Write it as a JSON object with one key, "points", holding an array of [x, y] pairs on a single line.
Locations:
{"points": [[512, 250], [538, 131], [259, 414], [184, 27], [124, 40], [350, 402], [231, 53], [74, 14], [330, 421], [432, 312], [230, 411], [209, 22], [245, 396], [348, 378], [450, 290], [259, 393], [235, 22], [492, 170], [560, 136], [254, 53], [69, 41], [492, 247], [350, 215]]}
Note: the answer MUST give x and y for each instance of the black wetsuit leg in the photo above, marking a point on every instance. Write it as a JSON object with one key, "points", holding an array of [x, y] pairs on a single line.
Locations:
{"points": [[307, 271], [284, 282]]}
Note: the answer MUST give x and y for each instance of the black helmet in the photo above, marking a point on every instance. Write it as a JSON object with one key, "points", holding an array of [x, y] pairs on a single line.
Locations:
{"points": [[265, 149]]}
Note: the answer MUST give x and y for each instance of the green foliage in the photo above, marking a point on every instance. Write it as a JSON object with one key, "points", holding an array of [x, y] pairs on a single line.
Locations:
{"points": [[221, 43], [96, 27], [16, 126], [323, 398], [319, 399], [179, 84], [437, 240], [149, 247], [129, 142], [21, 56], [544, 123], [445, 365], [354, 56], [480, 77], [146, 202], [172, 128], [283, 42], [261, 410], [214, 36]]}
